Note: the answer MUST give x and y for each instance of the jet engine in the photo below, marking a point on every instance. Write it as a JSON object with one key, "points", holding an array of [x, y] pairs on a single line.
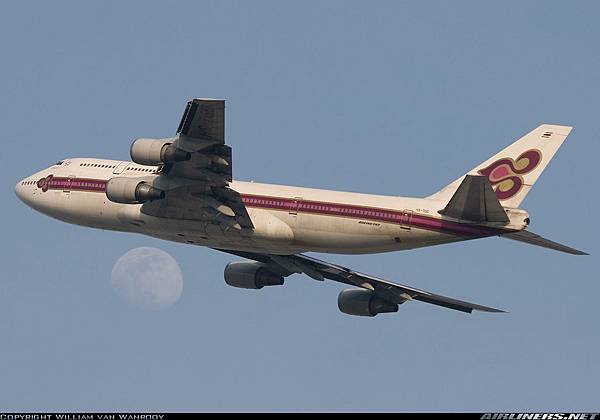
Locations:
{"points": [[362, 302], [156, 152], [250, 275], [131, 191]]}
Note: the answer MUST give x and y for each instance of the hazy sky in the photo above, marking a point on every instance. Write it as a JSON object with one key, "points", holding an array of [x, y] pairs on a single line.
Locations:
{"points": [[392, 98]]}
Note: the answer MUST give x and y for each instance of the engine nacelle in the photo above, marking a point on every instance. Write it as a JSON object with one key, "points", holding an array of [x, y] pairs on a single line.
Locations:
{"points": [[250, 275], [131, 191], [156, 152], [362, 302]]}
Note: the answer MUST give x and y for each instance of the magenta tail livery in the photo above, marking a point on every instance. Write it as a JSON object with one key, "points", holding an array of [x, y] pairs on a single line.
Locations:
{"points": [[181, 189], [513, 171]]}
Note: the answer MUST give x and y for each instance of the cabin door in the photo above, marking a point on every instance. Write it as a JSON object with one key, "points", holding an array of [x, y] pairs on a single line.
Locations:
{"points": [[295, 206], [120, 168], [406, 220]]}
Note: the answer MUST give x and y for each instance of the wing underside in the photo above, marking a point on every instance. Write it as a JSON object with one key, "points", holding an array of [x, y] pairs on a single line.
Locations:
{"points": [[286, 265]]}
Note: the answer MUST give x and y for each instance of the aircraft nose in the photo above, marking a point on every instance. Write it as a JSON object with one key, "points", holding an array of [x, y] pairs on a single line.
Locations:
{"points": [[23, 190], [19, 190]]}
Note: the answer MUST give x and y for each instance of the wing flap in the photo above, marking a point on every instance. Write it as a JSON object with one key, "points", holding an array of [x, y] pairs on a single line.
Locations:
{"points": [[203, 120], [189, 203]]}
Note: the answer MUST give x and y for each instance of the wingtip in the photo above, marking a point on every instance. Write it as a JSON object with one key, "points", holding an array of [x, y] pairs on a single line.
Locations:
{"points": [[574, 251], [208, 99], [491, 310]]}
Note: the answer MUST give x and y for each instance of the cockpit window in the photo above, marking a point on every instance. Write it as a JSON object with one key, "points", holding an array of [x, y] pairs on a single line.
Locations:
{"points": [[59, 163]]}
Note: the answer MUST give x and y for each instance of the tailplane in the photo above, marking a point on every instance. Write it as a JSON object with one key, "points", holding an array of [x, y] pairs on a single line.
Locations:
{"points": [[535, 239], [475, 201], [513, 171]]}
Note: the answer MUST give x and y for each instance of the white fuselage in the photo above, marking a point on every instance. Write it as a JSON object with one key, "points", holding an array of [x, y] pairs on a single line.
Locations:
{"points": [[287, 220]]}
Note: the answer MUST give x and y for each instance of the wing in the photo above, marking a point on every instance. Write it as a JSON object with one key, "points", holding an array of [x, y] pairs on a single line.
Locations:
{"points": [[207, 195], [389, 291], [203, 121]]}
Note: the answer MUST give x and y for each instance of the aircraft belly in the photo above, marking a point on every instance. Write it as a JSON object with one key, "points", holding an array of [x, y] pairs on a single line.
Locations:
{"points": [[270, 234], [275, 231], [271, 226], [80, 208], [348, 235], [356, 236]]}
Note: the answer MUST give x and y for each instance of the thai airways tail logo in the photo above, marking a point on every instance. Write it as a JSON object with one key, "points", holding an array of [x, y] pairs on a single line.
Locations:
{"points": [[506, 175]]}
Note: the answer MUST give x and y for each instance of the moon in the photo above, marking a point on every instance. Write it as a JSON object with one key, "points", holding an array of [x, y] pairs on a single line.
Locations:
{"points": [[148, 278]]}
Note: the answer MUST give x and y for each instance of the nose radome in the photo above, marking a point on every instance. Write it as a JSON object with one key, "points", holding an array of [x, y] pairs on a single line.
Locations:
{"points": [[19, 190]]}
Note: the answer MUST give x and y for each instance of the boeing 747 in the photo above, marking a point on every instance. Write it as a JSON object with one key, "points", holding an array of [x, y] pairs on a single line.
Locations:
{"points": [[181, 189]]}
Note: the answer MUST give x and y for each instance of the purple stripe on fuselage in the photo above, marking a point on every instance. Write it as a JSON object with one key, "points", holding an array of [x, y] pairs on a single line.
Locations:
{"points": [[71, 184], [431, 223], [369, 213], [403, 218]]}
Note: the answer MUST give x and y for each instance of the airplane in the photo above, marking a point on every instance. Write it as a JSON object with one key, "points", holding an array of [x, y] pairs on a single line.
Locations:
{"points": [[181, 189]]}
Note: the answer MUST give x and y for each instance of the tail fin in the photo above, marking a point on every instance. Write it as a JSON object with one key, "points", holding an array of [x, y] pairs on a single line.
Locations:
{"points": [[514, 170]]}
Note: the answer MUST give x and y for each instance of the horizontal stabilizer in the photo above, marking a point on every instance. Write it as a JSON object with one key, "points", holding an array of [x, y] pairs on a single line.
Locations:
{"points": [[475, 201], [534, 239]]}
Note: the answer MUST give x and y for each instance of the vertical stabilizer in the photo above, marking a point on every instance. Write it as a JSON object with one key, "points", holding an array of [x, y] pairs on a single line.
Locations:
{"points": [[514, 170]]}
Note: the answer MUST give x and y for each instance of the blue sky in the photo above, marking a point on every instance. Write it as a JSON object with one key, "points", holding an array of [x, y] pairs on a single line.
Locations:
{"points": [[391, 98]]}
